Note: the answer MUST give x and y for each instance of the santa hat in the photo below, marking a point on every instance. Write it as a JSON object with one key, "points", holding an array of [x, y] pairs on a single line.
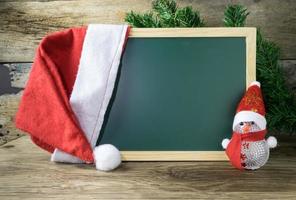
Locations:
{"points": [[251, 107], [69, 88]]}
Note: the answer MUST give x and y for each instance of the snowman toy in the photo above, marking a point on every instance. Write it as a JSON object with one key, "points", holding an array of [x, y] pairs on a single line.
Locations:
{"points": [[248, 148]]}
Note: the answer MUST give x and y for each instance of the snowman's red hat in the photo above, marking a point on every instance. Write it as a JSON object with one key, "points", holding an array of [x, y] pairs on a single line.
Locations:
{"points": [[251, 107]]}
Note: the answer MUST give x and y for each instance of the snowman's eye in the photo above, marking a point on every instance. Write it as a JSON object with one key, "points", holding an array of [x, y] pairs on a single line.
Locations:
{"points": [[241, 123], [252, 122]]}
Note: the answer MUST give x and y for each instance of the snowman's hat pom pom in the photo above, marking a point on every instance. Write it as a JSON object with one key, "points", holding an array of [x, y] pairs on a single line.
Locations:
{"points": [[107, 157], [255, 83], [225, 143], [272, 142]]}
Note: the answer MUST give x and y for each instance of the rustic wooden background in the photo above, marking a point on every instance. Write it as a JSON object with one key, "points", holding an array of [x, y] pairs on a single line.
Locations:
{"points": [[24, 22]]}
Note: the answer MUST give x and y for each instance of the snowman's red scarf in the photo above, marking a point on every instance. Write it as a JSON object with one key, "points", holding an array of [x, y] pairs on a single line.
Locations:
{"points": [[233, 150]]}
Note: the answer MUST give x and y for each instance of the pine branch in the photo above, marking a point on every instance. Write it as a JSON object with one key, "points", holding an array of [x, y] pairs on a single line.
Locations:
{"points": [[235, 16], [164, 8], [145, 20], [186, 17], [165, 13], [279, 101]]}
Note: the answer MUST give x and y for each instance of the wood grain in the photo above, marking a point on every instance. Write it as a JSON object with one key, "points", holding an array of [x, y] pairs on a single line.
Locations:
{"points": [[27, 173], [173, 156], [24, 23], [17, 76], [193, 32], [251, 56], [8, 107], [289, 70]]}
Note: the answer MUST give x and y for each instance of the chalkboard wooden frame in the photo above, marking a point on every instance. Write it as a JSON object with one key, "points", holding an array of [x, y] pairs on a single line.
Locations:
{"points": [[250, 37]]}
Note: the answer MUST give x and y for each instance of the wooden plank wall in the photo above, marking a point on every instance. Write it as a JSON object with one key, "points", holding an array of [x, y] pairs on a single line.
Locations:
{"points": [[23, 23]]}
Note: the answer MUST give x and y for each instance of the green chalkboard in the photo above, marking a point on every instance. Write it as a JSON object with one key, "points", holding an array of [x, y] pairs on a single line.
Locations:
{"points": [[176, 94]]}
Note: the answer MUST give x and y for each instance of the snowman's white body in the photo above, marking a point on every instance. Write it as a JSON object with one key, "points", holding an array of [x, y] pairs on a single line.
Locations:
{"points": [[254, 154], [250, 118]]}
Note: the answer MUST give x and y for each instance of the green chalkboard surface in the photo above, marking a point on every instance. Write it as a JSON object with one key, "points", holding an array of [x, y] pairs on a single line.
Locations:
{"points": [[176, 93]]}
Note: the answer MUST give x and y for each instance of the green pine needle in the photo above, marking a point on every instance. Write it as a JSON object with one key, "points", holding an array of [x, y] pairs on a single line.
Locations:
{"points": [[235, 16], [279, 101], [145, 20], [165, 13], [164, 8], [186, 17]]}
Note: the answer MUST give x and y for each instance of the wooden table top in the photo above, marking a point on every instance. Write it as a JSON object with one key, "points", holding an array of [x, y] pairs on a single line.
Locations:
{"points": [[27, 173]]}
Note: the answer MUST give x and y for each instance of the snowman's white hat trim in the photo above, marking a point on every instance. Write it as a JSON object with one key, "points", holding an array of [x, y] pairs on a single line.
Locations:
{"points": [[247, 116]]}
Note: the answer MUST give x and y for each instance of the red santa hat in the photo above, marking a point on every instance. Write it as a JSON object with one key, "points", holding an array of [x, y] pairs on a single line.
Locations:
{"points": [[69, 88], [251, 107]]}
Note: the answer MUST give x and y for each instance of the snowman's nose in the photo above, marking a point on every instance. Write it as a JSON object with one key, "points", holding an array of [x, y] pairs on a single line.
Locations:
{"points": [[246, 127]]}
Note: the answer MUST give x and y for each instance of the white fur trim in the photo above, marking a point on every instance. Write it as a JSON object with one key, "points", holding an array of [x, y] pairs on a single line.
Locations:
{"points": [[245, 116], [255, 83], [272, 142], [60, 156], [93, 87], [107, 157], [225, 143]]}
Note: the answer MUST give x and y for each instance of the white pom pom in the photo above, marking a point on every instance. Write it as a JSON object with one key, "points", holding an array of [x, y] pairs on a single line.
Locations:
{"points": [[255, 83], [225, 143], [107, 157], [272, 142]]}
